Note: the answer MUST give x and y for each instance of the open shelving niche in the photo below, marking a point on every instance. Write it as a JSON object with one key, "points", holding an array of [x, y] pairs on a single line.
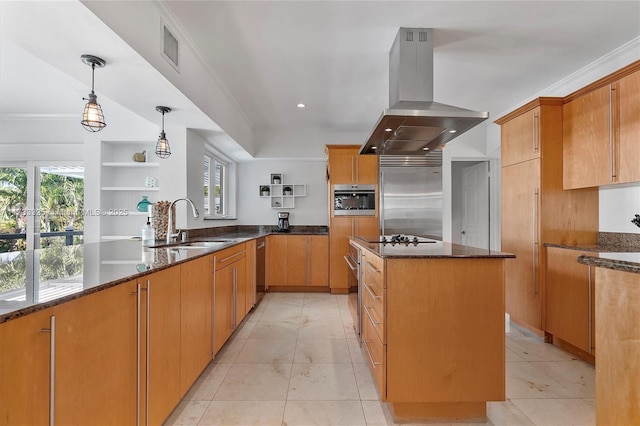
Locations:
{"points": [[122, 187], [282, 195]]}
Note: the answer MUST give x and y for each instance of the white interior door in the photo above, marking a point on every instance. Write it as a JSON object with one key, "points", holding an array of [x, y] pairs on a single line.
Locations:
{"points": [[475, 212]]}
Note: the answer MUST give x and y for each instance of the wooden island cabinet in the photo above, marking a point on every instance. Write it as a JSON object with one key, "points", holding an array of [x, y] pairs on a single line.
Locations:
{"points": [[433, 328]]}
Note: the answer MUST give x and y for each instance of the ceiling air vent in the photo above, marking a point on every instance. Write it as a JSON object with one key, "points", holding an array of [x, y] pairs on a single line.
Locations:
{"points": [[170, 48]]}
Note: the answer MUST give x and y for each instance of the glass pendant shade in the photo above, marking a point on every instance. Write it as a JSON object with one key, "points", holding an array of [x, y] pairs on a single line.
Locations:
{"points": [[92, 116], [163, 150]]}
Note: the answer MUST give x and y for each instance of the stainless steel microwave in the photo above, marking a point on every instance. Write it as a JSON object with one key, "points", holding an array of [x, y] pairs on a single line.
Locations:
{"points": [[354, 200]]}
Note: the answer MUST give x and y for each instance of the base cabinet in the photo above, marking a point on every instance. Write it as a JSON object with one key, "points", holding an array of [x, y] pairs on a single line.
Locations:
{"points": [[340, 230], [196, 321], [229, 293], [159, 331], [297, 260], [569, 308]]}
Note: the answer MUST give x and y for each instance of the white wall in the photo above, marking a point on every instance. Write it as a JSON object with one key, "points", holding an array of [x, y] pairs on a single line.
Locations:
{"points": [[617, 207], [309, 210]]}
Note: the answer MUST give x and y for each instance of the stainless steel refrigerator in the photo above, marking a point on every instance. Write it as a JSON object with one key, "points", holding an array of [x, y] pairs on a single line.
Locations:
{"points": [[411, 196]]}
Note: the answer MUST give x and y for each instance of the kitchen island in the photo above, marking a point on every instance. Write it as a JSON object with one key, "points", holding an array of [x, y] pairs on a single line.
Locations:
{"points": [[433, 327]]}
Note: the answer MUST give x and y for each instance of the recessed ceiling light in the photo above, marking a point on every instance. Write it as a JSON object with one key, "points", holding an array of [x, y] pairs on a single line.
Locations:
{"points": [[425, 149], [388, 129], [452, 131], [301, 105], [374, 148]]}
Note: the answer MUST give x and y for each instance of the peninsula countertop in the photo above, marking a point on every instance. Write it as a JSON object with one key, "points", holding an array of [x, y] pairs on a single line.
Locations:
{"points": [[431, 250], [46, 277]]}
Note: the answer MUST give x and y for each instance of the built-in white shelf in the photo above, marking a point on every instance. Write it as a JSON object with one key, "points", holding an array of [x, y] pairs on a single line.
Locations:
{"points": [[282, 195]]}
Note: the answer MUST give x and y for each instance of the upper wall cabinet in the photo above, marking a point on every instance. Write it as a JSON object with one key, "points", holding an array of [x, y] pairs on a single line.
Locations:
{"points": [[523, 134], [346, 166], [601, 129]]}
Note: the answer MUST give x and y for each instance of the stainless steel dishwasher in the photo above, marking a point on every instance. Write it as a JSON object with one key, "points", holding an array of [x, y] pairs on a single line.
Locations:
{"points": [[260, 252]]}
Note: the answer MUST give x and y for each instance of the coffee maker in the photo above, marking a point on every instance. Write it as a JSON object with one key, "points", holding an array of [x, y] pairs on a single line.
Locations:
{"points": [[283, 222]]}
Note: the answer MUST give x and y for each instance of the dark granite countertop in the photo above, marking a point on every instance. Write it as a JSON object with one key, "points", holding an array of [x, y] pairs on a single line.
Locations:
{"points": [[42, 282], [626, 262], [436, 250], [614, 242]]}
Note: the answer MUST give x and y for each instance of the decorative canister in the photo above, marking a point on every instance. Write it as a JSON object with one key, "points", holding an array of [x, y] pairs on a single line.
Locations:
{"points": [[143, 205]]}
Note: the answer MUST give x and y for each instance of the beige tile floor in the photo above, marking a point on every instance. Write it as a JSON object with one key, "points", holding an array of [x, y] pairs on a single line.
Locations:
{"points": [[295, 360]]}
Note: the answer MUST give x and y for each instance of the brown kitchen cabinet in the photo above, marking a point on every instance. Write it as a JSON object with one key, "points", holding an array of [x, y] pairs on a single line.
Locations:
{"points": [[601, 131], [24, 369], [342, 228], [159, 344], [250, 275], [536, 210], [297, 260], [569, 299], [523, 134], [95, 342], [347, 166], [196, 322], [229, 293]]}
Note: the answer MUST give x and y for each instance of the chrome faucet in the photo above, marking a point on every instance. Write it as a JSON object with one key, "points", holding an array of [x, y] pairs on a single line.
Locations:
{"points": [[170, 234]]}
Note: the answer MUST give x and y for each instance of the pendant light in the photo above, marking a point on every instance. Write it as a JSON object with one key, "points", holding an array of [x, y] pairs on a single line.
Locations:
{"points": [[163, 150], [92, 117]]}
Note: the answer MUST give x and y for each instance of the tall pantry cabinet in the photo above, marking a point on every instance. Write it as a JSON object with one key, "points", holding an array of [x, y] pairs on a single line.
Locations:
{"points": [[345, 166], [535, 209]]}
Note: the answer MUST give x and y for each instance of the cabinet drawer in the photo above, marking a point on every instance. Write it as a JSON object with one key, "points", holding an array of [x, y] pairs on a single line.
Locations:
{"points": [[376, 264], [376, 354], [228, 256], [373, 310]]}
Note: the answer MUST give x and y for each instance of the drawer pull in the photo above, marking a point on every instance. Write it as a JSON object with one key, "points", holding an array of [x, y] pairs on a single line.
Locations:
{"points": [[366, 346], [371, 267], [371, 293], [366, 309], [231, 257]]}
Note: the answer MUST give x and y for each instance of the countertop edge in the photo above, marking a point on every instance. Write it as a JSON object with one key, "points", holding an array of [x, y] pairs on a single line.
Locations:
{"points": [[603, 262]]}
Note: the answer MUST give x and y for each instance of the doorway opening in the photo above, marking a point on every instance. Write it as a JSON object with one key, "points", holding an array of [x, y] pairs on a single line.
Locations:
{"points": [[470, 203]]}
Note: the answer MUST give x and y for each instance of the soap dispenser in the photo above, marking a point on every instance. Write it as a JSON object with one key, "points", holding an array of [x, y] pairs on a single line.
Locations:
{"points": [[148, 234]]}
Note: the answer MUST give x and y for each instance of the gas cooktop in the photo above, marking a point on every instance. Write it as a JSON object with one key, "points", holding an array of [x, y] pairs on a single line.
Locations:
{"points": [[396, 239]]}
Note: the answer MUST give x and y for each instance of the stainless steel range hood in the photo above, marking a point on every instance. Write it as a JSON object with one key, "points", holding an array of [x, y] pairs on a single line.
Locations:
{"points": [[414, 123]]}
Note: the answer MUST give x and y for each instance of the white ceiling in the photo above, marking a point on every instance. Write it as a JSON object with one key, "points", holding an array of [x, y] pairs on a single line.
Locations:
{"points": [[333, 56]]}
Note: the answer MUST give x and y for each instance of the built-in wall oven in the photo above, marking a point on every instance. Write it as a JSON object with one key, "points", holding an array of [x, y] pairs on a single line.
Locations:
{"points": [[354, 200], [353, 259]]}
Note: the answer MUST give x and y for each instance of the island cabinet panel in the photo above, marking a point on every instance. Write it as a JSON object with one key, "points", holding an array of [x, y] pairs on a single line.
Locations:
{"points": [[196, 321], [618, 343], [569, 299], [445, 330], [600, 133], [159, 344], [536, 209], [24, 369]]}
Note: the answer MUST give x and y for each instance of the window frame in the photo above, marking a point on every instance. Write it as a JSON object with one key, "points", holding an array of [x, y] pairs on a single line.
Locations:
{"points": [[226, 200]]}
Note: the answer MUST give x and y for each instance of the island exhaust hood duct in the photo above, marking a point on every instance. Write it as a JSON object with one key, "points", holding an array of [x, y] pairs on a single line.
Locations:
{"points": [[414, 124]]}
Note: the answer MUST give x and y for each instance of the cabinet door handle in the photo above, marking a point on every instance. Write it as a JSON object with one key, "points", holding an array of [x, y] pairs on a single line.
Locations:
{"points": [[371, 293], [259, 246], [371, 267], [353, 167], [235, 296], [535, 243], [52, 368], [148, 356], [589, 288], [366, 346], [373, 322], [350, 263], [612, 171], [536, 124], [226, 259]]}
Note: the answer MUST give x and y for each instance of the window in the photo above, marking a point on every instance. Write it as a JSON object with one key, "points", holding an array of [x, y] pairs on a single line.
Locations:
{"points": [[215, 187]]}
